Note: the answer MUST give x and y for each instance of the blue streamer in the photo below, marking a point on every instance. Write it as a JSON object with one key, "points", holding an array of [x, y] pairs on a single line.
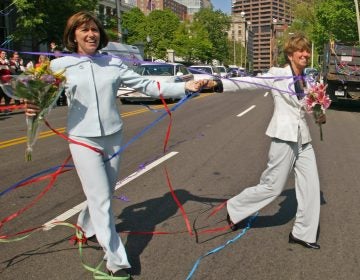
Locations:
{"points": [[142, 132], [213, 251], [52, 169]]}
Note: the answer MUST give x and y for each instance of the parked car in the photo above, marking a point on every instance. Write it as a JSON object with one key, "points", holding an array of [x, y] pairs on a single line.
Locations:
{"points": [[235, 71], [209, 72], [222, 70], [162, 72], [313, 73]]}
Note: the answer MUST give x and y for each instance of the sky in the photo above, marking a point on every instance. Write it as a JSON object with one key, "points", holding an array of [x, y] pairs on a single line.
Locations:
{"points": [[223, 5]]}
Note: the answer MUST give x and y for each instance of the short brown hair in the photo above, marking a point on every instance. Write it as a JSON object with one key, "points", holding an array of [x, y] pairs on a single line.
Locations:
{"points": [[74, 22], [296, 42]]}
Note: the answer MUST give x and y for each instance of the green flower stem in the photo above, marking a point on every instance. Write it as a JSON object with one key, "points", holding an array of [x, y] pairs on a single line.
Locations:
{"points": [[321, 132], [33, 128]]}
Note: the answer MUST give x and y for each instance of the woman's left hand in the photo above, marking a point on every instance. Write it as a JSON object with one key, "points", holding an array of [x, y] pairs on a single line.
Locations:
{"points": [[321, 119], [31, 110], [195, 86]]}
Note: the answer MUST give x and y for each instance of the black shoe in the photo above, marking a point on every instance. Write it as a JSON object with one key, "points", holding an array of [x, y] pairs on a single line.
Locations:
{"points": [[293, 239], [122, 274], [234, 227], [93, 239]]}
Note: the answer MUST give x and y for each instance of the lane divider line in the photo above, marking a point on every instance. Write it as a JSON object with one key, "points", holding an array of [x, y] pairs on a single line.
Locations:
{"points": [[76, 209], [246, 111]]}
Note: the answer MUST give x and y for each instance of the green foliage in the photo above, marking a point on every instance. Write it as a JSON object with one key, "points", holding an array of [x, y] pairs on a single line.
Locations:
{"points": [[191, 42], [134, 22], [322, 20], [236, 57], [160, 27], [216, 24], [336, 19], [44, 20]]}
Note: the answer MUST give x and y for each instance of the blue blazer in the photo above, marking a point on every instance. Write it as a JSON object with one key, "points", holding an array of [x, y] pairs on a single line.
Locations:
{"points": [[91, 89]]}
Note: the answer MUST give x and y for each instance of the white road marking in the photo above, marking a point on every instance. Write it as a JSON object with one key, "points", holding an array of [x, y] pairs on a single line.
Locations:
{"points": [[73, 211], [246, 111]]}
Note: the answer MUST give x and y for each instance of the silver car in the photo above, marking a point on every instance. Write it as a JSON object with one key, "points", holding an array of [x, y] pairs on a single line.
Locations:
{"points": [[208, 72], [222, 70], [162, 72]]}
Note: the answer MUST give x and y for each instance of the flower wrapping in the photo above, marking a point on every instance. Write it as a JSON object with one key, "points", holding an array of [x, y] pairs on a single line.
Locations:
{"points": [[316, 102], [40, 86]]}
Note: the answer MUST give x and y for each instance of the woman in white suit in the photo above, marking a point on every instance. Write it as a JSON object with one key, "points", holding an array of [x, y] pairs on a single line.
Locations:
{"points": [[290, 147], [92, 81]]}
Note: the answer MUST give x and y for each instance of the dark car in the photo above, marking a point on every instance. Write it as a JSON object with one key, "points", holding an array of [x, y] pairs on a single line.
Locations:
{"points": [[236, 72]]}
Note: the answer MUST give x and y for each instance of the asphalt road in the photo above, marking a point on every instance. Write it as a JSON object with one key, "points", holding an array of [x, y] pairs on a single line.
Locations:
{"points": [[217, 147]]}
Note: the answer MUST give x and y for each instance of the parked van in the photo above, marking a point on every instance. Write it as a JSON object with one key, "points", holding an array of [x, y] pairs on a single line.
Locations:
{"points": [[130, 55]]}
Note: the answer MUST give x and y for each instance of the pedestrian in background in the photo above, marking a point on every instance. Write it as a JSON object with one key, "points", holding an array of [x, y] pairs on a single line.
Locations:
{"points": [[4, 71], [290, 148], [16, 68], [41, 59], [16, 64], [55, 49], [92, 81]]}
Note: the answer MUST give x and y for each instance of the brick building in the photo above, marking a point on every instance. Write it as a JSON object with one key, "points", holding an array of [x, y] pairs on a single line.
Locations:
{"points": [[261, 15]]}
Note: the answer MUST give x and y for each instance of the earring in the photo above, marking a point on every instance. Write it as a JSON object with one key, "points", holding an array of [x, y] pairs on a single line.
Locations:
{"points": [[75, 41]]}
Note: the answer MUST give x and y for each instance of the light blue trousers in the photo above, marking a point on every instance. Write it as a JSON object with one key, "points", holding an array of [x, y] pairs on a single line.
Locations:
{"points": [[98, 179], [283, 158]]}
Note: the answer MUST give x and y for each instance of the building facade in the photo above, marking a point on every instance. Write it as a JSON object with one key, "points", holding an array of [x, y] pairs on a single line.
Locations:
{"points": [[240, 32], [146, 6], [193, 6], [261, 15]]}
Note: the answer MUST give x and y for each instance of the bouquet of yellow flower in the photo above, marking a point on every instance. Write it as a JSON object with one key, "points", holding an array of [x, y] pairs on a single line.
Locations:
{"points": [[42, 87]]}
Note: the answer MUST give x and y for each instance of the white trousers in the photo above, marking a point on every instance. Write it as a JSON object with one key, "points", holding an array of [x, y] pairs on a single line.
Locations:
{"points": [[283, 158], [98, 179]]}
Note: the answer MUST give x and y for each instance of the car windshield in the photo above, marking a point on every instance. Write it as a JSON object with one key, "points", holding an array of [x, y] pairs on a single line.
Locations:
{"points": [[221, 69], [200, 70], [155, 70]]}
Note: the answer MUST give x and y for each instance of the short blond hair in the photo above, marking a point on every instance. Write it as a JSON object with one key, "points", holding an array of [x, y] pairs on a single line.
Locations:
{"points": [[296, 42]]}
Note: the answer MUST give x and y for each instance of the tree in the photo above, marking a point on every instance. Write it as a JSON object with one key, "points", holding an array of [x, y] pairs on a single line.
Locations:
{"points": [[161, 27], [191, 42], [216, 24], [325, 20], [134, 21], [44, 20], [336, 20]]}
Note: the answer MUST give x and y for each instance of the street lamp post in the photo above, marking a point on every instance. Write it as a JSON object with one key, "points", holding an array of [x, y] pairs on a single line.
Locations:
{"points": [[124, 36], [246, 40], [118, 14], [148, 40], [243, 28], [234, 48]]}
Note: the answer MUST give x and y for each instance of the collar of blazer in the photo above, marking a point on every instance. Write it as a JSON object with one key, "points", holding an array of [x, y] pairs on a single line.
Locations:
{"points": [[291, 85]]}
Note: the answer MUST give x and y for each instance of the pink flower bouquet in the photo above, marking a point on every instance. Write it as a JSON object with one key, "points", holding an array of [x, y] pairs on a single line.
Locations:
{"points": [[316, 102]]}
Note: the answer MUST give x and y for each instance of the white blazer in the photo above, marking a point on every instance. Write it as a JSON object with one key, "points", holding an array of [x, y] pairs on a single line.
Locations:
{"points": [[288, 118], [91, 88]]}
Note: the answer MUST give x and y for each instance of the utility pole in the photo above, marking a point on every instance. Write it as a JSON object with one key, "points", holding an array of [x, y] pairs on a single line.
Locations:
{"points": [[357, 17], [118, 14]]}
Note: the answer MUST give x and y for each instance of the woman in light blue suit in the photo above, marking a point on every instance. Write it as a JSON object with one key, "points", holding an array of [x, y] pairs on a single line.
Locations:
{"points": [[290, 147], [92, 81]]}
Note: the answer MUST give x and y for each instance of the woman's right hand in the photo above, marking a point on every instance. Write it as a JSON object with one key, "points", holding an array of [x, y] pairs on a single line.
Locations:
{"points": [[31, 110]]}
